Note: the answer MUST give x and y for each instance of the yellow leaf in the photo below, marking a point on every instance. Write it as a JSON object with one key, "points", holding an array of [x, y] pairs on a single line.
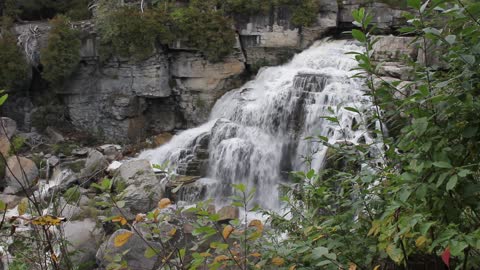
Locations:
{"points": [[318, 237], [172, 232], [221, 258], [205, 254], [227, 231], [122, 239], [164, 203], [257, 224], [23, 206], [421, 241], [352, 266], [120, 219], [140, 218], [293, 267], [375, 228], [256, 255], [278, 261], [376, 267], [155, 215], [48, 220]]}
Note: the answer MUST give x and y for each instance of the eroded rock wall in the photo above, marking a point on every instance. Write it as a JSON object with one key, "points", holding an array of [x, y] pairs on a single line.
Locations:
{"points": [[123, 100]]}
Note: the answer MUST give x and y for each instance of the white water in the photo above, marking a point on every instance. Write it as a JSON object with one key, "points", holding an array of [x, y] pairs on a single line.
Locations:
{"points": [[257, 131]]}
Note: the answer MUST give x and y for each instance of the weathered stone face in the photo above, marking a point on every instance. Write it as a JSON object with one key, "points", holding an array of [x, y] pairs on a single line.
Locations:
{"points": [[123, 100]]}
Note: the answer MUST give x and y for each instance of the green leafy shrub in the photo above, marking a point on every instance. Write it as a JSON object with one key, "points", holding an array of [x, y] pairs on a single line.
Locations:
{"points": [[128, 32], [62, 54], [13, 64], [248, 7], [419, 204], [207, 30]]}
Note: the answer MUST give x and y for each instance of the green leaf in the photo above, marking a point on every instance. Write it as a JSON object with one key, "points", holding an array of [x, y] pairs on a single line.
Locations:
{"points": [[420, 125], [351, 109], [450, 39], [121, 204], [442, 164], [416, 4], [150, 253], [319, 252], [310, 174], [3, 206], [359, 35], [3, 99], [452, 183]]}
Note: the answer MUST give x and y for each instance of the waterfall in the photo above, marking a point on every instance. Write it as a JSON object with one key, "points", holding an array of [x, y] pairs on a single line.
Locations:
{"points": [[256, 134]]}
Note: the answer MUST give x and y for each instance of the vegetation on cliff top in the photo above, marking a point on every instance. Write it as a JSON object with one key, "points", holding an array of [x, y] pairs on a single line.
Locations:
{"points": [[62, 54]]}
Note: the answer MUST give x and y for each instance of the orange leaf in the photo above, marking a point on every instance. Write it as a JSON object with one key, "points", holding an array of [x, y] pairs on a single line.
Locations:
{"points": [[227, 231], [205, 254], [278, 261], [120, 219], [48, 220], [140, 218], [172, 232], [164, 203], [376, 267], [352, 266], [221, 258], [257, 224], [122, 239], [256, 255], [293, 267]]}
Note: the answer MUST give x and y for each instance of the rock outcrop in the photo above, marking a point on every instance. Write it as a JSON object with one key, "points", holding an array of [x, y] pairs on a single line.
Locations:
{"points": [[124, 100]]}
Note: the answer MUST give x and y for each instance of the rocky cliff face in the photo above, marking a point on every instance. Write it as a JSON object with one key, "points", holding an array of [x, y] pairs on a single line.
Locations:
{"points": [[124, 101]]}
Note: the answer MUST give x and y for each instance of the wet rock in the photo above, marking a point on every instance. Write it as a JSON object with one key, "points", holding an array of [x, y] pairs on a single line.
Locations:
{"points": [[83, 238], [162, 139], [22, 172], [95, 163], [80, 152], [4, 146], [8, 127], [53, 161], [54, 135], [144, 189], [228, 213], [135, 257], [111, 151]]}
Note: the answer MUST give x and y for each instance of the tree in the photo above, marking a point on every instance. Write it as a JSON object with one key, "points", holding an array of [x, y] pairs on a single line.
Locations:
{"points": [[62, 54]]}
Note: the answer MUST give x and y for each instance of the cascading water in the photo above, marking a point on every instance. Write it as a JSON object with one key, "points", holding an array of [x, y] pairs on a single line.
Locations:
{"points": [[257, 133]]}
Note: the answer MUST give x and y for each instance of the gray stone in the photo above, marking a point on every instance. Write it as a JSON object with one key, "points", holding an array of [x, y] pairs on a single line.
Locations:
{"points": [[95, 163], [20, 172], [144, 190], [54, 135], [83, 238], [8, 127], [392, 48], [228, 212], [53, 161], [81, 152], [135, 257]]}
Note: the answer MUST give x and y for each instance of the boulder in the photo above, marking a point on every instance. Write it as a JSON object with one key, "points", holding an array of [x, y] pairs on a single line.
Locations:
{"points": [[135, 257], [8, 127], [53, 161], [144, 189], [20, 172], [228, 213], [111, 151], [5, 146], [95, 162], [83, 238], [10, 200]]}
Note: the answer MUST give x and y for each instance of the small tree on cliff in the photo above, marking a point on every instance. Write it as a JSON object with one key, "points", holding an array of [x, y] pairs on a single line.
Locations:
{"points": [[62, 54]]}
